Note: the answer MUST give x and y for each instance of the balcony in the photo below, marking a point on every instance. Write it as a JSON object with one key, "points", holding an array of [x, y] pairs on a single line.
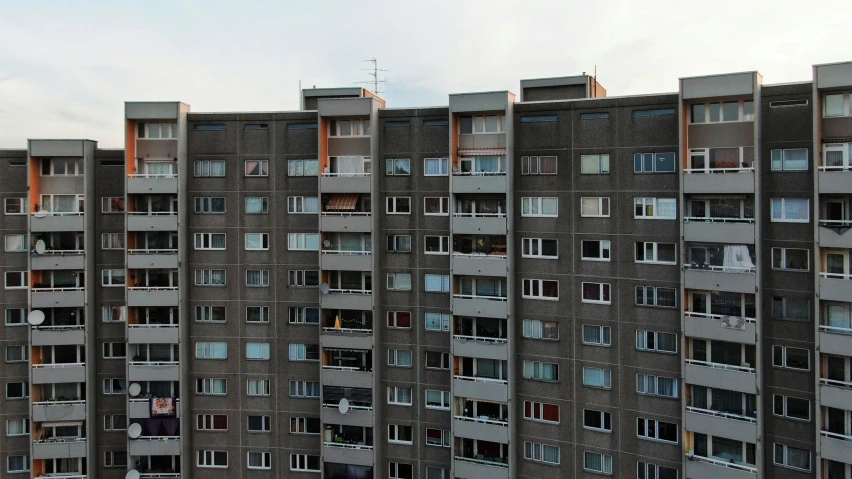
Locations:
{"points": [[835, 340], [345, 183], [152, 296], [479, 182], [481, 428], [59, 373], [486, 389], [140, 408], [720, 376], [44, 222], [715, 326], [474, 468], [834, 393], [341, 222], [834, 179], [342, 260], [153, 371], [715, 278], [61, 476], [152, 221], [719, 230], [479, 306], [480, 264], [717, 423], [154, 446], [698, 467], [345, 453], [836, 447], [74, 410], [835, 287], [719, 180], [59, 259], [152, 259], [361, 416], [69, 297], [59, 448], [152, 184], [59, 335], [479, 224], [159, 475], [153, 334], [835, 234], [343, 376], [339, 298], [480, 347]]}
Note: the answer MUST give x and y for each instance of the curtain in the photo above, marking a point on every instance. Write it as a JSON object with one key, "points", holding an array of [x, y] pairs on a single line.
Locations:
{"points": [[839, 316], [593, 377], [487, 164], [163, 168], [737, 256], [533, 329], [667, 387], [727, 449], [433, 282], [666, 207], [63, 203], [550, 454], [727, 401], [487, 368], [433, 166], [349, 165], [403, 395], [593, 461]]}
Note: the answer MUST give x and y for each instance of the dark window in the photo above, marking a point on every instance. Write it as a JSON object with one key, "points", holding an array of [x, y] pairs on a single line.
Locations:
{"points": [[302, 126], [397, 123], [256, 126], [660, 112], [538, 119], [435, 122], [17, 163], [787, 103], [602, 115], [112, 162], [210, 127]]}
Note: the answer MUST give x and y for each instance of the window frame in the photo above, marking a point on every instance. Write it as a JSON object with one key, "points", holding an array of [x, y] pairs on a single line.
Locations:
{"points": [[393, 203], [783, 203], [602, 164], [604, 417], [604, 332], [784, 358], [785, 453], [782, 160], [391, 166], [530, 203], [604, 291], [528, 245], [652, 430], [262, 165], [655, 208], [604, 248], [785, 406], [782, 258], [532, 165], [531, 284], [23, 206], [639, 160], [603, 207]]}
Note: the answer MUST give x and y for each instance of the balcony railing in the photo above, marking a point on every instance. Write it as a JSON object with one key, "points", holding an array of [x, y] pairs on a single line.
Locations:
{"points": [[152, 288], [707, 219], [153, 363], [495, 462], [157, 438], [152, 175], [836, 383], [483, 420], [57, 365], [718, 317], [360, 447], [836, 168], [152, 251], [346, 213], [478, 173], [479, 215], [347, 368], [476, 296], [147, 325], [332, 329], [56, 213], [835, 435], [61, 327], [727, 415], [350, 291], [62, 252], [60, 476], [346, 175], [835, 275], [499, 256], [57, 402], [741, 169], [836, 223], [835, 329], [718, 269], [480, 339], [59, 440], [351, 407], [346, 252], [481, 380], [43, 289], [156, 475], [721, 463], [728, 367]]}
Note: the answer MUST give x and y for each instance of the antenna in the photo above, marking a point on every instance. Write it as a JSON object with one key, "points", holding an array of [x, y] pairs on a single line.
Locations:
{"points": [[374, 72]]}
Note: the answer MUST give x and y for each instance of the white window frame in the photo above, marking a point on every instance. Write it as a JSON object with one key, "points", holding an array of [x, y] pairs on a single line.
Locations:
{"points": [[654, 246], [782, 203], [299, 241], [208, 350], [301, 462], [393, 394], [19, 246], [741, 114], [846, 156], [112, 241], [535, 328], [390, 166], [292, 165], [531, 245], [652, 300], [203, 239], [263, 168], [301, 388], [443, 245], [263, 275], [207, 459], [528, 283], [446, 401], [652, 430], [537, 412], [109, 350], [262, 314], [204, 277], [204, 313], [23, 206], [604, 333], [534, 370], [603, 415], [23, 424], [653, 382], [445, 361], [264, 351], [265, 426], [533, 206], [785, 453], [604, 247], [655, 205], [204, 205], [394, 359], [25, 462], [108, 277], [604, 290], [394, 432], [296, 205], [445, 441], [642, 341], [602, 206], [532, 165], [655, 157], [602, 164], [606, 463], [262, 237], [782, 159], [443, 206], [845, 99], [606, 376], [443, 322], [393, 280], [443, 166], [534, 451], [393, 205], [208, 422], [205, 166], [11, 313], [396, 240], [781, 254], [783, 350], [206, 386], [299, 315], [265, 459], [114, 422], [358, 127], [107, 204], [784, 401], [23, 277], [109, 386], [262, 385], [444, 279]]}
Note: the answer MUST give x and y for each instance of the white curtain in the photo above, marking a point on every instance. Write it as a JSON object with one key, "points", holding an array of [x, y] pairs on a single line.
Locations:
{"points": [[350, 164], [839, 316], [737, 256]]}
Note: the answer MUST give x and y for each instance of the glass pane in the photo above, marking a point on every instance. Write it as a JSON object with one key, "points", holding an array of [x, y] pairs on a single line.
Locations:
{"points": [[730, 111], [834, 105]]}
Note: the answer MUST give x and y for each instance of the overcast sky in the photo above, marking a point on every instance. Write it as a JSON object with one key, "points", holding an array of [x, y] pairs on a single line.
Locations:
{"points": [[66, 68]]}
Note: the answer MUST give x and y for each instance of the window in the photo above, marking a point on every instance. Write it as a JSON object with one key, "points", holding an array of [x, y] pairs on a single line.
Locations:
{"points": [[541, 371], [656, 386], [16, 464], [17, 427], [207, 205], [534, 451], [597, 377], [597, 335], [210, 277], [834, 105], [438, 437], [257, 167], [210, 314], [658, 253], [112, 314], [399, 319], [62, 167], [790, 160], [164, 130], [790, 259], [211, 386], [259, 424], [539, 411], [302, 278], [539, 207], [790, 210], [19, 353], [112, 277], [17, 280], [437, 360], [305, 389], [211, 422], [655, 208], [652, 471], [436, 206], [595, 250], [714, 112], [304, 425], [15, 317], [399, 434], [437, 283], [212, 459], [258, 387], [657, 112], [539, 248], [594, 164], [400, 358], [594, 207], [540, 289], [304, 462], [656, 341], [538, 165], [790, 407], [437, 244], [302, 167], [399, 396], [302, 204], [112, 240], [597, 420], [304, 352], [257, 277], [597, 293], [16, 243], [436, 399], [472, 125], [399, 281], [654, 163], [602, 115], [259, 460], [353, 127], [210, 241], [437, 321], [211, 350], [656, 430], [257, 351], [400, 471], [399, 243], [115, 350], [596, 462], [112, 204], [656, 296], [398, 205], [787, 103], [18, 390], [304, 315], [210, 168], [538, 119], [15, 206], [791, 358], [793, 457], [398, 167], [303, 241], [792, 309], [257, 205], [116, 386], [436, 167], [257, 314], [115, 422], [538, 329]]}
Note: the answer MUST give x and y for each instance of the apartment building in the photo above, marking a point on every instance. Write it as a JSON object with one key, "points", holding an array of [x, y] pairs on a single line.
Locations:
{"points": [[553, 284]]}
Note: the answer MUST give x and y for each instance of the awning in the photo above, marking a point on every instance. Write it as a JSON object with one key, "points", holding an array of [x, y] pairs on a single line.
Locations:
{"points": [[344, 202], [62, 424], [718, 197], [481, 151]]}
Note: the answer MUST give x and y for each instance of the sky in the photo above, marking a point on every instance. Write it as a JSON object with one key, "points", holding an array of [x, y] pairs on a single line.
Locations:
{"points": [[66, 68]]}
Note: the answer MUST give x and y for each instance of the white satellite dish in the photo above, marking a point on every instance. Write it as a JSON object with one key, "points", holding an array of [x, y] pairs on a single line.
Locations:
{"points": [[41, 213], [134, 431], [324, 288], [134, 389], [132, 474], [40, 247], [343, 406], [36, 317], [326, 243]]}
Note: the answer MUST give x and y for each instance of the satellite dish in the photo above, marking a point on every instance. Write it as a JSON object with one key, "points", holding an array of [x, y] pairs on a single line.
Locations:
{"points": [[343, 406], [40, 247], [324, 288], [36, 317], [132, 474], [134, 431], [326, 243], [41, 213], [134, 389]]}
